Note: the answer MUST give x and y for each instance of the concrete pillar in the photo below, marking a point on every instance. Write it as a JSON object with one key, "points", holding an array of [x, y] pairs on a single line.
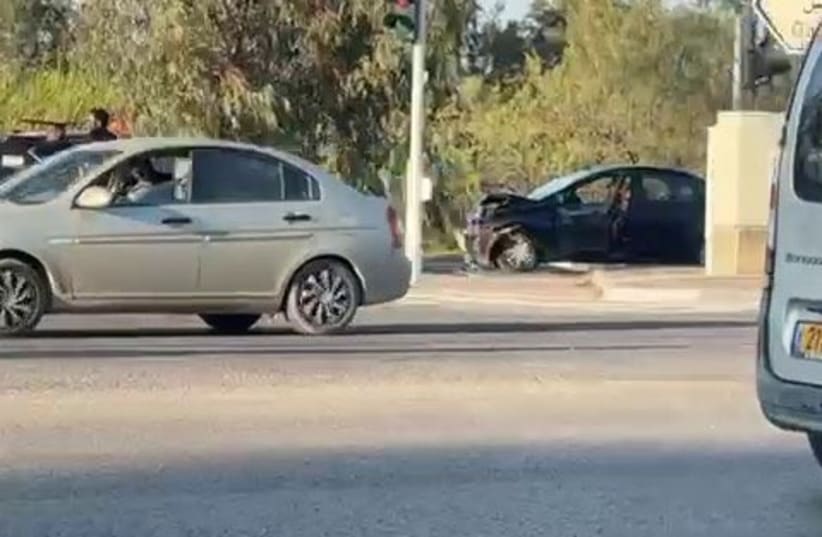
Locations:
{"points": [[742, 150]]}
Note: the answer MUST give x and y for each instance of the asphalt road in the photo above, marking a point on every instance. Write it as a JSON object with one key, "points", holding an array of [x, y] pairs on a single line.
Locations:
{"points": [[423, 422]]}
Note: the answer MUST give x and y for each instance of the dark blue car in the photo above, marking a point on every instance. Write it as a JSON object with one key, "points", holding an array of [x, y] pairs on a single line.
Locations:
{"points": [[610, 213]]}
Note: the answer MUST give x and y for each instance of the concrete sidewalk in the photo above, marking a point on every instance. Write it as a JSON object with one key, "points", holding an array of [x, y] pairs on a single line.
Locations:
{"points": [[676, 284], [653, 285], [539, 287]]}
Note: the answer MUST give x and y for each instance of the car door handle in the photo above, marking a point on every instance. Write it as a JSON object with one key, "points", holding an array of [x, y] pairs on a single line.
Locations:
{"points": [[297, 217], [176, 221]]}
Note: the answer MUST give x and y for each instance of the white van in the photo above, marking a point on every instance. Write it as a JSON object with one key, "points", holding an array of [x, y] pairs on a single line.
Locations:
{"points": [[790, 342]]}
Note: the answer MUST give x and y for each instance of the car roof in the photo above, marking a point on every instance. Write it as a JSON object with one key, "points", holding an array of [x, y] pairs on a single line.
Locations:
{"points": [[562, 182], [141, 145], [635, 167]]}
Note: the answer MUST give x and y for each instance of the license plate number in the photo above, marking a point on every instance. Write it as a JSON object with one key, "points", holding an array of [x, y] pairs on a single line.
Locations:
{"points": [[808, 341]]}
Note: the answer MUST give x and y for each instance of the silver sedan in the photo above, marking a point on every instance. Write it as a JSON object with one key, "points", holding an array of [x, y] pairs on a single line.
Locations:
{"points": [[224, 230]]}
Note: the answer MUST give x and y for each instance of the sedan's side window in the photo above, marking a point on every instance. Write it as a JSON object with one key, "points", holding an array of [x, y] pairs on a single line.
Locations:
{"points": [[656, 188], [298, 185], [230, 176], [149, 179], [596, 192], [684, 190]]}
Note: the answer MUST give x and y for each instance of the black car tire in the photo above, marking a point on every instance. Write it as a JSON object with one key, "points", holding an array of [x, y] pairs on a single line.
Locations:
{"points": [[341, 288], [517, 253], [230, 323], [815, 440], [36, 297]]}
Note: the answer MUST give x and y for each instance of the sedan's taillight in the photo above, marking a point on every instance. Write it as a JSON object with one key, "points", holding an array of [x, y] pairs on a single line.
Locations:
{"points": [[394, 226]]}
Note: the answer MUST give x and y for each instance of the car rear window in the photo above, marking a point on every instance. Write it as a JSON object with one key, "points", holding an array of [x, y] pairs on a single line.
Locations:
{"points": [[808, 157]]}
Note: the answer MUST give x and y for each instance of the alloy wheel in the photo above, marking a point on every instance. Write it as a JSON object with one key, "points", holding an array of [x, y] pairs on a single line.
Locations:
{"points": [[325, 297], [18, 299], [519, 254]]}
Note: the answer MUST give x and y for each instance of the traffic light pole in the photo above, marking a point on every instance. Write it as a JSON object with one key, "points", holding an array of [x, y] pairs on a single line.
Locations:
{"points": [[413, 182], [739, 53]]}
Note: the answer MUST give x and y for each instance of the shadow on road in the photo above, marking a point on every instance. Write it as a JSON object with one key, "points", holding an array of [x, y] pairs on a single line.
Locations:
{"points": [[516, 490], [411, 328], [175, 351], [530, 327]]}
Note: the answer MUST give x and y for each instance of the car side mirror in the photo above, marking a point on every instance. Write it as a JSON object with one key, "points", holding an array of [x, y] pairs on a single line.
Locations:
{"points": [[94, 197]]}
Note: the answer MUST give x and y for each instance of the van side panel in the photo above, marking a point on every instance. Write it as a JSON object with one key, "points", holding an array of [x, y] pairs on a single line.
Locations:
{"points": [[797, 279]]}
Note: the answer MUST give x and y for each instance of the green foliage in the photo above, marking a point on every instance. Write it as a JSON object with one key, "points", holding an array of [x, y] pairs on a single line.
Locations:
{"points": [[578, 82], [53, 94], [639, 82], [33, 31]]}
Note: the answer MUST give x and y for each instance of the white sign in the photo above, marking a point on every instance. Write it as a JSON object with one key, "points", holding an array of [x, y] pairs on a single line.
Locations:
{"points": [[792, 22], [427, 189]]}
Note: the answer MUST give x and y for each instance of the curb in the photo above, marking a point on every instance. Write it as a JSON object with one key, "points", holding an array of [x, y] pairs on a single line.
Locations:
{"points": [[644, 295], [611, 291]]}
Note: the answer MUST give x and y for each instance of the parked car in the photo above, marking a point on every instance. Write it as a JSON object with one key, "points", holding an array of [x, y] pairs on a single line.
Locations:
{"points": [[606, 213], [225, 230], [15, 147]]}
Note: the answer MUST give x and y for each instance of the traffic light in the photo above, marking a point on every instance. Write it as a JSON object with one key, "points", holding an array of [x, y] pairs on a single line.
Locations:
{"points": [[402, 18], [762, 61]]}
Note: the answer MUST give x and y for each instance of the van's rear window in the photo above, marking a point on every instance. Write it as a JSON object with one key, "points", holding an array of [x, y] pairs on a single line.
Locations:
{"points": [[808, 161]]}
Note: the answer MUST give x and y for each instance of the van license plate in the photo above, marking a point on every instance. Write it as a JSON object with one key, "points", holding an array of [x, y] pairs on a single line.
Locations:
{"points": [[808, 341]]}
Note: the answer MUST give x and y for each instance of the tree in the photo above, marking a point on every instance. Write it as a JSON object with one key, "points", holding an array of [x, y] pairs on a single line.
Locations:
{"points": [[33, 31], [638, 83]]}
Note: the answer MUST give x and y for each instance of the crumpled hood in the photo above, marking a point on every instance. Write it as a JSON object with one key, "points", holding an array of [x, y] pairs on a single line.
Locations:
{"points": [[504, 199]]}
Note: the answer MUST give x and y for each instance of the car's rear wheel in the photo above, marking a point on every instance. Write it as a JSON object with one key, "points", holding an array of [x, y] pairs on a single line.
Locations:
{"points": [[23, 298], [230, 324], [323, 298], [815, 440], [517, 253]]}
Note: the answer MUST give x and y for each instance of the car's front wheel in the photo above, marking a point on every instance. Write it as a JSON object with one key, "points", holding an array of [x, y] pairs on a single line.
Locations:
{"points": [[323, 298], [23, 298], [517, 253], [230, 324]]}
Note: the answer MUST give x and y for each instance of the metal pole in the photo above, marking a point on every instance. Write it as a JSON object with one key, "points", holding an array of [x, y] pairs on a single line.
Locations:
{"points": [[413, 184], [739, 51]]}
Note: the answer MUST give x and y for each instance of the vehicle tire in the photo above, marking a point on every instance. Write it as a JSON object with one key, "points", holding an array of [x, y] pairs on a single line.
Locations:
{"points": [[24, 298], [517, 254], [323, 298], [815, 440], [230, 324]]}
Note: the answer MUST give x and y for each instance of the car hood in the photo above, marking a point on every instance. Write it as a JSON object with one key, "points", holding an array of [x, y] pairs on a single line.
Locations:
{"points": [[500, 203], [500, 199]]}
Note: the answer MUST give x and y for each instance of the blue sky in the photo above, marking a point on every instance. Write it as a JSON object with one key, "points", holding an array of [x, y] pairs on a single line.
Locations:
{"points": [[514, 9]]}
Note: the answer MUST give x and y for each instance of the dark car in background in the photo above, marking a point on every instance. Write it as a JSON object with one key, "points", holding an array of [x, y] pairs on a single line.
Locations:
{"points": [[615, 213], [16, 147]]}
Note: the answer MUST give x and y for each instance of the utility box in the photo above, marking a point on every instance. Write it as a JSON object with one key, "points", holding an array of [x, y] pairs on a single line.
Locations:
{"points": [[742, 151]]}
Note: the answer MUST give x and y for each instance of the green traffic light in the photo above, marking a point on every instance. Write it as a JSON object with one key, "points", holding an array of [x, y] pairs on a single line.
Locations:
{"points": [[401, 19]]}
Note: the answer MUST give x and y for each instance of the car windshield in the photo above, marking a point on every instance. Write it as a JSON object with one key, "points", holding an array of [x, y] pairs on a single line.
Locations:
{"points": [[542, 191], [48, 179], [556, 184]]}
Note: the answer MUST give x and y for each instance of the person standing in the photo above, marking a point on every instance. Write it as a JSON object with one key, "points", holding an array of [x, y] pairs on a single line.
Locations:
{"points": [[99, 131], [55, 142]]}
